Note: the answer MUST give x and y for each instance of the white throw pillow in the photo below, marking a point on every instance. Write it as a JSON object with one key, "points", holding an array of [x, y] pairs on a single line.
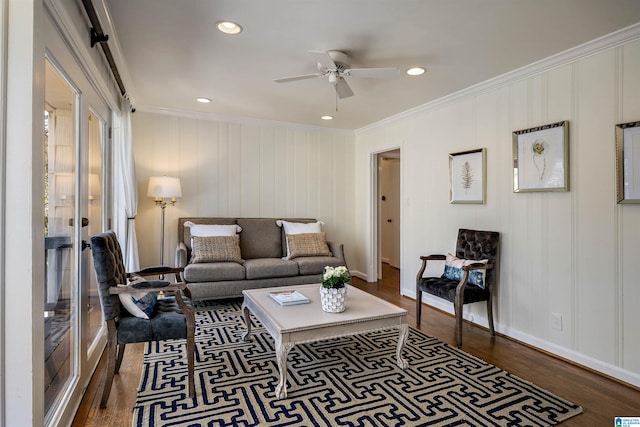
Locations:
{"points": [[453, 270], [207, 230], [139, 304], [299, 228]]}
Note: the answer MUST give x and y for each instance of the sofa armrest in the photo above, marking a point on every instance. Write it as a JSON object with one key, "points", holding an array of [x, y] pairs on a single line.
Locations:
{"points": [[181, 255], [337, 250]]}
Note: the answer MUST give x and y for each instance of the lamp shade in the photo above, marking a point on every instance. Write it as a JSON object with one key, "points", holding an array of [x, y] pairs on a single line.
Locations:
{"points": [[164, 187]]}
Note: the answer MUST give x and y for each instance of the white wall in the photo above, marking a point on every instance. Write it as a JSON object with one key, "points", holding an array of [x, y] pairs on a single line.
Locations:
{"points": [[572, 253], [245, 169]]}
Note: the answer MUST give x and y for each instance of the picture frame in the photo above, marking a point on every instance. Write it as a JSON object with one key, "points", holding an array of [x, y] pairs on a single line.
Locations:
{"points": [[628, 162], [541, 158], [468, 176]]}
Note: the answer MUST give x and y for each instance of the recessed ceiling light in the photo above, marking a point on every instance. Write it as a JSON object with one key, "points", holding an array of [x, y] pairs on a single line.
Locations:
{"points": [[327, 117], [203, 100], [416, 71], [229, 27]]}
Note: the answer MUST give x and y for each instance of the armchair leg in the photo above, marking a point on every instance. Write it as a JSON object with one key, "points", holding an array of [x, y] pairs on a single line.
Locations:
{"points": [[418, 306], [458, 312], [111, 364], [490, 316], [190, 359], [119, 358]]}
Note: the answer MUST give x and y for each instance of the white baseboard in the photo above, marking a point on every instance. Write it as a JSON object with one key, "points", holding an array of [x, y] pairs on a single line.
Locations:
{"points": [[572, 356], [359, 275]]}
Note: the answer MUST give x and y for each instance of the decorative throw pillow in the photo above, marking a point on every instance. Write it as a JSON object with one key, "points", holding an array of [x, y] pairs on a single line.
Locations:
{"points": [[298, 228], [216, 249], [139, 304], [203, 230], [307, 244], [453, 270]]}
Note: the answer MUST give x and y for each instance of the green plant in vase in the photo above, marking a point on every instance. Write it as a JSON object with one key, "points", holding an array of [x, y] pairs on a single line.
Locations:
{"points": [[333, 291], [335, 277]]}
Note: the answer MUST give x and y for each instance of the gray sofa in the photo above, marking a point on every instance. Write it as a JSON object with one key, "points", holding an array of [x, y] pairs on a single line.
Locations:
{"points": [[262, 247]]}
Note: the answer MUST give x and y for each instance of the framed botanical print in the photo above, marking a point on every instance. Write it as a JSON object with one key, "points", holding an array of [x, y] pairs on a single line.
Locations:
{"points": [[468, 176], [628, 162], [541, 158]]}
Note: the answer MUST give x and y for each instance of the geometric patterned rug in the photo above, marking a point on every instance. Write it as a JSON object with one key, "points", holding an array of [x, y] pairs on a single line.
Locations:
{"points": [[350, 381]]}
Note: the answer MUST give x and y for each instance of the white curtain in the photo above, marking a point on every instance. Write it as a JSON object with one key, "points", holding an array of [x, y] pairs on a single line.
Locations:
{"points": [[125, 190]]}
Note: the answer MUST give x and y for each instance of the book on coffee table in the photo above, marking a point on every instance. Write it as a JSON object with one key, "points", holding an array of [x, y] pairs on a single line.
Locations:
{"points": [[289, 297]]}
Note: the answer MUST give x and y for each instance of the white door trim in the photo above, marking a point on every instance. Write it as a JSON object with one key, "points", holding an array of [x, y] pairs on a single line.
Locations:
{"points": [[373, 251]]}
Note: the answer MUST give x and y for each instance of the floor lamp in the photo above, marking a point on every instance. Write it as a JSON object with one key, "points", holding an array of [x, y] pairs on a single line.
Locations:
{"points": [[163, 190]]}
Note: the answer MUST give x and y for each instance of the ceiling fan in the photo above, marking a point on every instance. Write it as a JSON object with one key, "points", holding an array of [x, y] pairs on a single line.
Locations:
{"points": [[336, 66]]}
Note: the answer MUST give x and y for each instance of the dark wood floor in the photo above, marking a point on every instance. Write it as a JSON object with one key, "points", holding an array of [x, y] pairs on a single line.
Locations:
{"points": [[602, 399]]}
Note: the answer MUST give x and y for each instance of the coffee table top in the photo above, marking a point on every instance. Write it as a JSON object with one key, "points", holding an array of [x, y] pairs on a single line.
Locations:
{"points": [[360, 306]]}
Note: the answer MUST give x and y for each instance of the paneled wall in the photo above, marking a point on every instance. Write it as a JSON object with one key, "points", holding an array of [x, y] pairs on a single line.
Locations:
{"points": [[242, 170], [570, 254]]}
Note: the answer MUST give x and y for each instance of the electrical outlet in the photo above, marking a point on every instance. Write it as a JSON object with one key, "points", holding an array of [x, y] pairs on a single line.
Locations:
{"points": [[556, 321]]}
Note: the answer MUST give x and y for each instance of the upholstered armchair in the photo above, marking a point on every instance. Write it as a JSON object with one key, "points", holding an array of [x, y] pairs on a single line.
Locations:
{"points": [[470, 276], [169, 317]]}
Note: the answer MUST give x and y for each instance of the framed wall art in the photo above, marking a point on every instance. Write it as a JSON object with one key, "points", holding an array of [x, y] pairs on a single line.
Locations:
{"points": [[468, 176], [541, 158], [628, 162]]}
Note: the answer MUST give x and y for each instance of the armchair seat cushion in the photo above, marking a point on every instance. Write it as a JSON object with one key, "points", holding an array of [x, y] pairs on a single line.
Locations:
{"points": [[167, 322], [446, 289]]}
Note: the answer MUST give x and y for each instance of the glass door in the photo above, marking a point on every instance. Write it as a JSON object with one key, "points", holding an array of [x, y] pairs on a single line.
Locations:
{"points": [[76, 123], [61, 208], [96, 224]]}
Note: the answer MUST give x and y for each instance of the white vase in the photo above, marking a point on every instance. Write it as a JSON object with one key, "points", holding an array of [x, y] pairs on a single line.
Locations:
{"points": [[333, 299]]}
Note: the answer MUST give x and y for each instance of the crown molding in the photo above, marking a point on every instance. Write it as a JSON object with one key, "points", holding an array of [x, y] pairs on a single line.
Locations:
{"points": [[238, 119], [618, 38]]}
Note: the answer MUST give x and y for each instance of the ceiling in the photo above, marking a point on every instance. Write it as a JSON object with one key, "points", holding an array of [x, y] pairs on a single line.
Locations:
{"points": [[172, 52]]}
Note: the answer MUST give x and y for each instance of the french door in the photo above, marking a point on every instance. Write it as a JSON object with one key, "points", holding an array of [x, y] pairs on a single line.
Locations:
{"points": [[76, 147]]}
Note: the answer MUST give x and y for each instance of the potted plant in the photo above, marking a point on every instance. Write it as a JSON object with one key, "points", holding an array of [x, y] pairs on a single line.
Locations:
{"points": [[333, 291]]}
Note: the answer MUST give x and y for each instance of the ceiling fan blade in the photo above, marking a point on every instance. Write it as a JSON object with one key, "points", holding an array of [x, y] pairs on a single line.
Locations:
{"points": [[373, 73], [323, 58], [294, 78], [342, 88]]}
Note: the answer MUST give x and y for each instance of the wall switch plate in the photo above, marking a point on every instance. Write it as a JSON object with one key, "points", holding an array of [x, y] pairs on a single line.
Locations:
{"points": [[556, 321]]}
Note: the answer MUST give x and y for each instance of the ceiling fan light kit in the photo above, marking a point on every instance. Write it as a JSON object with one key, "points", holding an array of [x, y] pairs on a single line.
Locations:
{"points": [[336, 65]]}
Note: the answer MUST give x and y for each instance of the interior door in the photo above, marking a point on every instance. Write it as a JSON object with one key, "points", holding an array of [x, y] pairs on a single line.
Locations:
{"points": [[389, 207]]}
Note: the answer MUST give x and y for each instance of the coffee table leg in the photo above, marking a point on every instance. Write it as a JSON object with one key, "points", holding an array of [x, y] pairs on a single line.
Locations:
{"points": [[402, 338], [247, 322], [282, 351]]}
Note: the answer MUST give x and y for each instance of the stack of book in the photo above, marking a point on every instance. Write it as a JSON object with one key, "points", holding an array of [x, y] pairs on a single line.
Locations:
{"points": [[289, 297]]}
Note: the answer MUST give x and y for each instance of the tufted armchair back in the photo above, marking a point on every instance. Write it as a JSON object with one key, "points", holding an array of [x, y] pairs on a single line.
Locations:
{"points": [[474, 244], [110, 271]]}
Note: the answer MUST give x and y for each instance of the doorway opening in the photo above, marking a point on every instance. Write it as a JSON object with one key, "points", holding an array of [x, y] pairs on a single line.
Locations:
{"points": [[387, 207]]}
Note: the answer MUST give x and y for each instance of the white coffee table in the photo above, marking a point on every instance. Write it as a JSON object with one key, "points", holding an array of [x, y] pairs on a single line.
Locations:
{"points": [[296, 324]]}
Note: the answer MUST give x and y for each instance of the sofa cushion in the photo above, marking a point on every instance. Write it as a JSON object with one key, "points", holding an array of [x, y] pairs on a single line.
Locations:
{"points": [[261, 238], [307, 244], [216, 249], [316, 264], [213, 271], [264, 268]]}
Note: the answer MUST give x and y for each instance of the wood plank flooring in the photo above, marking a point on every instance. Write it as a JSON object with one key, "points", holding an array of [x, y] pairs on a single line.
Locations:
{"points": [[601, 398]]}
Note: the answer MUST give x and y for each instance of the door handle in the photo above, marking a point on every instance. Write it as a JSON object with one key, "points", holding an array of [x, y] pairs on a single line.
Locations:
{"points": [[85, 222], [86, 245], [389, 220]]}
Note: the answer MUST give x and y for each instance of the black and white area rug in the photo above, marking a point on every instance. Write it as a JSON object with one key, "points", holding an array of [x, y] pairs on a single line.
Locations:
{"points": [[352, 381]]}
